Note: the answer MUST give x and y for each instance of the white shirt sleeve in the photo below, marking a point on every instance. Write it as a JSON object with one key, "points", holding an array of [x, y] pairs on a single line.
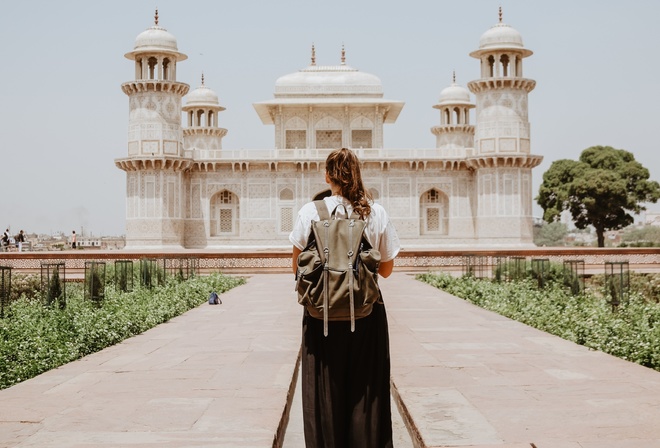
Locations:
{"points": [[303, 225], [382, 233]]}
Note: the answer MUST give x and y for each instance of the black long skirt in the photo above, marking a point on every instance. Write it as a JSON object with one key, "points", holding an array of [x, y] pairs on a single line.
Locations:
{"points": [[346, 383]]}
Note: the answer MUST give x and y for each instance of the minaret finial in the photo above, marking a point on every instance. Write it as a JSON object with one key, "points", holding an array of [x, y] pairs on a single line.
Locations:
{"points": [[500, 14], [453, 78], [313, 55], [343, 55], [202, 79], [156, 17]]}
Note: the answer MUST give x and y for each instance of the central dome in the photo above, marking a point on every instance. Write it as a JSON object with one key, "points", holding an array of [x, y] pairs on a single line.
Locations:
{"points": [[328, 80]]}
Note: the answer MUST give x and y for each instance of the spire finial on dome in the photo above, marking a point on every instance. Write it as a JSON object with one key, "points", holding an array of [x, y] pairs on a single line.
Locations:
{"points": [[453, 78], [500, 13], [343, 55], [313, 55], [202, 79], [156, 17]]}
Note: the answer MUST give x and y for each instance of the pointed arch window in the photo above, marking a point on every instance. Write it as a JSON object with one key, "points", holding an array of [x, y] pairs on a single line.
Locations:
{"points": [[152, 64], [457, 115], [166, 68], [434, 213], [224, 213], [285, 208], [323, 194], [504, 60], [491, 66]]}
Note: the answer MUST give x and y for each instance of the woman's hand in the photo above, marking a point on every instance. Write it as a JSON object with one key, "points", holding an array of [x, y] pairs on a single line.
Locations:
{"points": [[294, 261], [385, 268]]}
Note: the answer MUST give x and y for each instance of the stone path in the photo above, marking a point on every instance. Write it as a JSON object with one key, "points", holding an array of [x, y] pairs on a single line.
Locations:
{"points": [[221, 376]]}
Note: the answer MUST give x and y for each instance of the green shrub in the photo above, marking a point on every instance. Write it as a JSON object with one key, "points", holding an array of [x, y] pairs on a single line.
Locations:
{"points": [[27, 286], [631, 333], [34, 338]]}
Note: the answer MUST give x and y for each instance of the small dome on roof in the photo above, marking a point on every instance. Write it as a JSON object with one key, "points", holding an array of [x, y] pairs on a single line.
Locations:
{"points": [[500, 37], [454, 94], [202, 96], [155, 39]]}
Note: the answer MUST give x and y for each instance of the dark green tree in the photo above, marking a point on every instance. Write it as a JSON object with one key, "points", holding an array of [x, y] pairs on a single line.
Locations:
{"points": [[601, 189], [55, 290]]}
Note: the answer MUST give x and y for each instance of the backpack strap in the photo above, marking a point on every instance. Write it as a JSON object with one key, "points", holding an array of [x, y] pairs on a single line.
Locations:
{"points": [[322, 210], [353, 214]]}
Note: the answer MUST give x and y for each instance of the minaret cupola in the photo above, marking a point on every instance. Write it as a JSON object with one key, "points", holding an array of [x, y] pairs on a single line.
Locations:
{"points": [[155, 54], [501, 52], [202, 132], [455, 132]]}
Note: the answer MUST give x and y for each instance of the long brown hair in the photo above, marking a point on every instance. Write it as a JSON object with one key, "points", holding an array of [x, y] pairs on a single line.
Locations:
{"points": [[343, 168]]}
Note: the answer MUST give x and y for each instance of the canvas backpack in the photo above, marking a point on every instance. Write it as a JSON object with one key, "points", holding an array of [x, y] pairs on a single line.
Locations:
{"points": [[214, 299], [337, 272]]}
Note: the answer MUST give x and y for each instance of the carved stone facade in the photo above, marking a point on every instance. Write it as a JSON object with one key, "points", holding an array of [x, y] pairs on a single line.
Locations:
{"points": [[185, 191]]}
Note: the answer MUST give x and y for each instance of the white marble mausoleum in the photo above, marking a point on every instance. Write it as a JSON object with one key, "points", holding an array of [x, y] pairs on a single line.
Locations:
{"points": [[184, 190]]}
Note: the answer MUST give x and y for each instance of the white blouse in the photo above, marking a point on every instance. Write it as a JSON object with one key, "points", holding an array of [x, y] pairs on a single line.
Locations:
{"points": [[379, 230]]}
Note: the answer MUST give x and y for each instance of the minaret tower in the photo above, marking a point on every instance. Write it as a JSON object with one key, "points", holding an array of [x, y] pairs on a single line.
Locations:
{"points": [[202, 141], [155, 163], [502, 161], [455, 133]]}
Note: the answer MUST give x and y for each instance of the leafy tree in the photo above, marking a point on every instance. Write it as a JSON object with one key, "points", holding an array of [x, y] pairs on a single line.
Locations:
{"points": [[551, 234], [601, 189]]}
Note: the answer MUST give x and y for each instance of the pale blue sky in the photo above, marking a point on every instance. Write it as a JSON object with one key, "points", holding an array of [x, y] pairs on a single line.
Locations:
{"points": [[64, 117]]}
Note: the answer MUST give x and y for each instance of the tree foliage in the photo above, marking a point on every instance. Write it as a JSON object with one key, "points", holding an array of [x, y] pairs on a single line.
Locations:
{"points": [[602, 189]]}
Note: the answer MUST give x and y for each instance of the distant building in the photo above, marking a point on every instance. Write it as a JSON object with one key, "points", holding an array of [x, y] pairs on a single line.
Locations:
{"points": [[652, 219], [184, 190]]}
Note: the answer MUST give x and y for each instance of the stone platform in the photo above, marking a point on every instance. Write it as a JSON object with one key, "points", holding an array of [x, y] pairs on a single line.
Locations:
{"points": [[223, 376]]}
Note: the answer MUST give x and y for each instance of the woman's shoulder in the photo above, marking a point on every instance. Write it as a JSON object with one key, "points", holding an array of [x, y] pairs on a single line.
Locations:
{"points": [[378, 210]]}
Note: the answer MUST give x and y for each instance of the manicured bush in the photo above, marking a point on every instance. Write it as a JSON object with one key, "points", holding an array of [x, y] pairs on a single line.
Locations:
{"points": [[36, 338], [630, 332]]}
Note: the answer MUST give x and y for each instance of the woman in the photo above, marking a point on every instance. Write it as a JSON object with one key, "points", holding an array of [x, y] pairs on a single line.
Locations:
{"points": [[346, 375]]}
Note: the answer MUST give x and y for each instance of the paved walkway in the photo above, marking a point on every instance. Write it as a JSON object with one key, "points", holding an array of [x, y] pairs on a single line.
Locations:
{"points": [[220, 376]]}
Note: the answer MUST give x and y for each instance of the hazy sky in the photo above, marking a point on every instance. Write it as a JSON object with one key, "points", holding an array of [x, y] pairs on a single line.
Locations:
{"points": [[65, 118]]}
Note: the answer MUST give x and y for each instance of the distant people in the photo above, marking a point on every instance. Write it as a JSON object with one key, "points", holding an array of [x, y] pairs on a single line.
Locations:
{"points": [[73, 239], [5, 238], [20, 239]]}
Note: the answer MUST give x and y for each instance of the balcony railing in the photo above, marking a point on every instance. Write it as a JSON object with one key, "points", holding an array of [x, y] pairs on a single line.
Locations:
{"points": [[321, 154]]}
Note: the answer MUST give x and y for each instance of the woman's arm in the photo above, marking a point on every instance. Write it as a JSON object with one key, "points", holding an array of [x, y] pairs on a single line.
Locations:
{"points": [[294, 261], [385, 268]]}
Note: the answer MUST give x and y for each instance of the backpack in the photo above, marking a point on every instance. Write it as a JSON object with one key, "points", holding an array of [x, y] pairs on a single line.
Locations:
{"points": [[214, 299], [337, 272]]}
